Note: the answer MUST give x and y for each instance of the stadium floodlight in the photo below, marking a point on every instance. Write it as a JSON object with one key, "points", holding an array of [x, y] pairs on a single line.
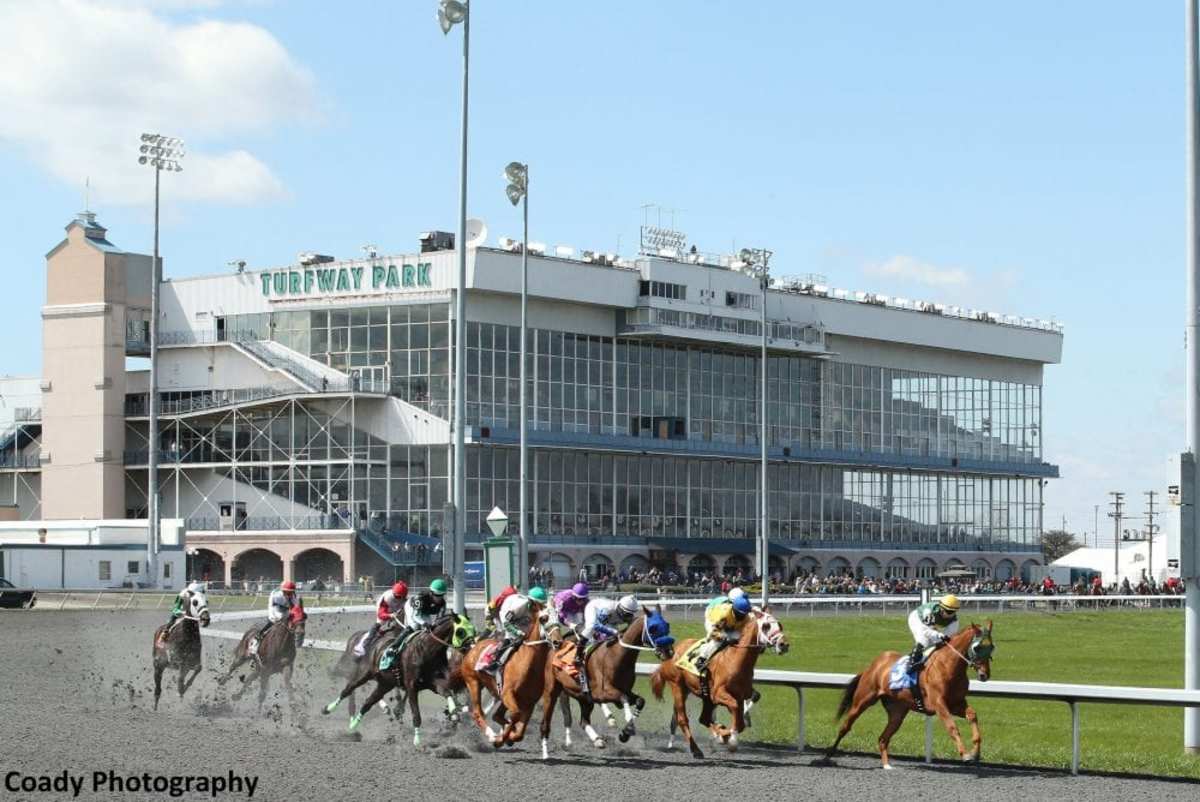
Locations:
{"points": [[161, 153], [450, 13], [755, 261], [517, 175]]}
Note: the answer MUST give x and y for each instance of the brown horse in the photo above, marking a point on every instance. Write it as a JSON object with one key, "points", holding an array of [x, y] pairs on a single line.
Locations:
{"points": [[524, 680], [731, 677], [611, 671], [177, 645], [275, 654], [943, 685]]}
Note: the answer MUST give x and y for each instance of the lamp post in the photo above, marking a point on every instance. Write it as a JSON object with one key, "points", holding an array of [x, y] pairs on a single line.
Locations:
{"points": [[756, 262], [1189, 536], [161, 153], [517, 175], [451, 13]]}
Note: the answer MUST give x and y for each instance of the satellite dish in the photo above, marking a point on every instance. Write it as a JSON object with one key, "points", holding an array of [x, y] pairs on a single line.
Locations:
{"points": [[476, 232]]}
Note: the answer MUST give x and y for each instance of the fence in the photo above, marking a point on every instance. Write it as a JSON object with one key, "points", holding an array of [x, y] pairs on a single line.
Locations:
{"points": [[800, 681]]}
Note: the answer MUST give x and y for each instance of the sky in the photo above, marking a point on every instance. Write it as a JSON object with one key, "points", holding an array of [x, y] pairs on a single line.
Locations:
{"points": [[1025, 158]]}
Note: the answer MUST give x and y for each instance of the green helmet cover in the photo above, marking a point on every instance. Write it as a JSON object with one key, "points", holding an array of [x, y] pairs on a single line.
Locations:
{"points": [[538, 594], [438, 587]]}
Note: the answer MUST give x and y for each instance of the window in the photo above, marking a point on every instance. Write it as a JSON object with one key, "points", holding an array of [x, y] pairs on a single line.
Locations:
{"points": [[132, 567], [105, 571], [663, 289], [166, 570], [741, 300]]}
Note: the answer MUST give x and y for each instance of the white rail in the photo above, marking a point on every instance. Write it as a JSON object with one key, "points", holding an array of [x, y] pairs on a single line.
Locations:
{"points": [[1071, 694]]}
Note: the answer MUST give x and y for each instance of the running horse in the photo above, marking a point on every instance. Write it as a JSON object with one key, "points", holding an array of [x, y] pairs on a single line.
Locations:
{"points": [[611, 671], [275, 653], [730, 680], [424, 664], [943, 686], [524, 679], [177, 645]]}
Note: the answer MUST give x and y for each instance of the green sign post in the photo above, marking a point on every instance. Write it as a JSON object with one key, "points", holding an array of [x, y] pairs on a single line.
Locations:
{"points": [[499, 555]]}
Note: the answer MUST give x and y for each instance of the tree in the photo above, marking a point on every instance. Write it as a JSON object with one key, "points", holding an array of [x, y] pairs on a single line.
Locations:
{"points": [[1057, 542]]}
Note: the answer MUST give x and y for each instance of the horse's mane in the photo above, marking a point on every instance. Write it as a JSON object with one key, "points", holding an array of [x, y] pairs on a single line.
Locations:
{"points": [[963, 637]]}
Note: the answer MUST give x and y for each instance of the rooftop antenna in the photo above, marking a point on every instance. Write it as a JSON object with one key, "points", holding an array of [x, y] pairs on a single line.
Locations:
{"points": [[87, 194], [370, 250]]}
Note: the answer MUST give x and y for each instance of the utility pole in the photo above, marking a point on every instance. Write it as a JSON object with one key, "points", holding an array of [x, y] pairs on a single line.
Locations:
{"points": [[1118, 505], [1096, 528], [1151, 529]]}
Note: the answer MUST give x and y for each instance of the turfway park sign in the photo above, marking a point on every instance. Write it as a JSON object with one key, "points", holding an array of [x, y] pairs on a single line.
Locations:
{"points": [[338, 280]]}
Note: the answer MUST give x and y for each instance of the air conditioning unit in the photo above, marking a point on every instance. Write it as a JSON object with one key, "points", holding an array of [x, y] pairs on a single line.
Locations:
{"points": [[538, 248], [509, 244], [307, 258], [433, 241], [564, 251]]}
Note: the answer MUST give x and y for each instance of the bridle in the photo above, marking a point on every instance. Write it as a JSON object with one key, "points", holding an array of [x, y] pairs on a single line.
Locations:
{"points": [[972, 661]]}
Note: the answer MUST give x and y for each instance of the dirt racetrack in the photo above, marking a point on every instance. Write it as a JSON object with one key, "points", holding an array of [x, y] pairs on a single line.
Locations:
{"points": [[77, 695]]}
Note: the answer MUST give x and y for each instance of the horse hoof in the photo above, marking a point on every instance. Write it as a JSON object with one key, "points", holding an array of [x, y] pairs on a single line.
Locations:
{"points": [[599, 743], [697, 754], [623, 736], [888, 767], [612, 722]]}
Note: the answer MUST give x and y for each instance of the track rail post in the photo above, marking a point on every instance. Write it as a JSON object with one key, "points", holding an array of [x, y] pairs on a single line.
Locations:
{"points": [[800, 730], [1074, 737]]}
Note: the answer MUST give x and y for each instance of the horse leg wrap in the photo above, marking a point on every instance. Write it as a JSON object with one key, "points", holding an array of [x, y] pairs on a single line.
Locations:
{"points": [[355, 720], [608, 714], [416, 736], [597, 741], [566, 737], [545, 749], [329, 708]]}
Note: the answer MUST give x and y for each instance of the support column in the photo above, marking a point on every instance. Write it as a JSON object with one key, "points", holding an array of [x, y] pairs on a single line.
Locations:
{"points": [[228, 561]]}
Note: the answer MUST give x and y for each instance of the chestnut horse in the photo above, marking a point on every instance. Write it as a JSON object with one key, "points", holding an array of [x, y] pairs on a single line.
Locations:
{"points": [[731, 678], [611, 671], [276, 653], [943, 685], [524, 680], [177, 645]]}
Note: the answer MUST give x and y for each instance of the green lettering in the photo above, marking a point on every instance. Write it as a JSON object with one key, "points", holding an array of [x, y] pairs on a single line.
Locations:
{"points": [[423, 279], [410, 274], [280, 280], [343, 282], [308, 281], [266, 280], [393, 277], [357, 271], [378, 274], [325, 280], [293, 282]]}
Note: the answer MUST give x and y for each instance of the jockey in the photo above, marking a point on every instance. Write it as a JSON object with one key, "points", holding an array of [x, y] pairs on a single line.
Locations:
{"points": [[602, 617], [491, 616], [389, 611], [280, 605], [422, 610], [184, 601], [569, 606], [515, 617], [924, 622], [723, 622]]}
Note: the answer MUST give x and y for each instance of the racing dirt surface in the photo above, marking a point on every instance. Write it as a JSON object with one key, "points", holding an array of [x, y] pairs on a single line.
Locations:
{"points": [[78, 694]]}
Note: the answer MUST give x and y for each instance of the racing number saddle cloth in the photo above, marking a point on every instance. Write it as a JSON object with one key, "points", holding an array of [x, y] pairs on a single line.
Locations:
{"points": [[902, 676], [485, 656], [687, 660]]}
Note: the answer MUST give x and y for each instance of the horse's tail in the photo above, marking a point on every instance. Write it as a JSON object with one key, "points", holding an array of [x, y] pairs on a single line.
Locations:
{"points": [[658, 682], [847, 697]]}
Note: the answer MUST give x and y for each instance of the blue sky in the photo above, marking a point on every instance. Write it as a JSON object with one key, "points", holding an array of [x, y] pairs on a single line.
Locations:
{"points": [[1026, 157]]}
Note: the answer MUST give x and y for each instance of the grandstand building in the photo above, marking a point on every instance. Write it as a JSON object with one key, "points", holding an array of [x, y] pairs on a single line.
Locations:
{"points": [[305, 414]]}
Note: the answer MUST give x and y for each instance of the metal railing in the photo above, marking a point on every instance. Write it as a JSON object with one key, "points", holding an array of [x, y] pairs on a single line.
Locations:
{"points": [[267, 523]]}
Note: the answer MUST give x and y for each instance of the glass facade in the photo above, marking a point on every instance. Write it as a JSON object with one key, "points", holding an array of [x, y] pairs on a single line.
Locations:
{"points": [[653, 389]]}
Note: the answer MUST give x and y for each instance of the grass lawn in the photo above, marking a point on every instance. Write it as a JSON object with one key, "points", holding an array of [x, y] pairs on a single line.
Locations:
{"points": [[1127, 647]]}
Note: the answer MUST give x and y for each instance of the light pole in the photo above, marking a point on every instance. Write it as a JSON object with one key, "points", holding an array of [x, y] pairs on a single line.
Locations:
{"points": [[517, 175], [757, 261], [1187, 539], [451, 13], [161, 153]]}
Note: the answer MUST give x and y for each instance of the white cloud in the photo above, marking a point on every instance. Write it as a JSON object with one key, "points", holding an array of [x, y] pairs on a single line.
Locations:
{"points": [[81, 79], [906, 268]]}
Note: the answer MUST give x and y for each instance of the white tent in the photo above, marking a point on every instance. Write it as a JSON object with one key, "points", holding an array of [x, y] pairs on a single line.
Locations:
{"points": [[1134, 560]]}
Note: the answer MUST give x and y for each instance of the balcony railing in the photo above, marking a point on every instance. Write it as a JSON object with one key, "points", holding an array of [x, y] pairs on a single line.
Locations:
{"points": [[274, 523]]}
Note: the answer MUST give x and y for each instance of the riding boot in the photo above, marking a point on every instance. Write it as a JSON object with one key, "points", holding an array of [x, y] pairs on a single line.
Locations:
{"points": [[914, 667], [915, 658], [581, 667]]}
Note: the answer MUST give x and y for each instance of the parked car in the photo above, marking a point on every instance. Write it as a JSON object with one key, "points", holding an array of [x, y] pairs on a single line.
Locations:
{"points": [[17, 599]]}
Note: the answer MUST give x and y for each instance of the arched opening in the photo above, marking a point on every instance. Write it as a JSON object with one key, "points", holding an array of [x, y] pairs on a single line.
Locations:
{"points": [[982, 569], [898, 569], [1005, 570], [701, 564], [954, 565], [319, 565], [838, 566], [598, 567], [634, 566], [562, 569], [1027, 569], [926, 569], [776, 567], [736, 564], [257, 568], [205, 565], [869, 568], [809, 566]]}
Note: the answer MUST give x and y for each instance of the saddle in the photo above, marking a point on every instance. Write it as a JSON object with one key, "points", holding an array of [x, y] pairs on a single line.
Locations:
{"points": [[392, 653], [687, 660], [485, 656], [564, 657], [902, 676]]}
